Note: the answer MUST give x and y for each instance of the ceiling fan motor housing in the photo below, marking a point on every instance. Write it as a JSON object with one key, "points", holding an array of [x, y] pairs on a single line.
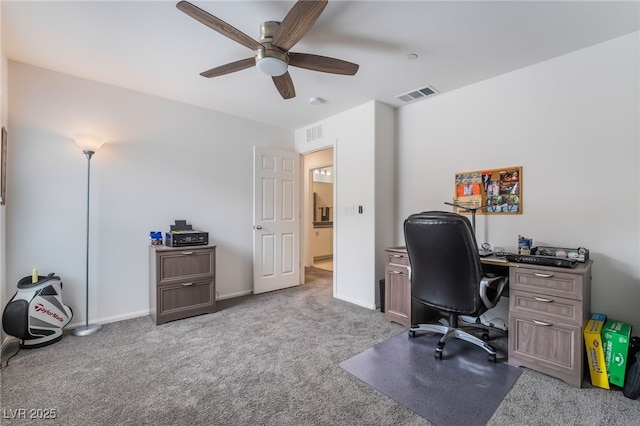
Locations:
{"points": [[267, 30]]}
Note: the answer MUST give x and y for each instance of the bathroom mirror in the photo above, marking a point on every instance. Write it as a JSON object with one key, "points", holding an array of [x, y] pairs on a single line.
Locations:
{"points": [[322, 195]]}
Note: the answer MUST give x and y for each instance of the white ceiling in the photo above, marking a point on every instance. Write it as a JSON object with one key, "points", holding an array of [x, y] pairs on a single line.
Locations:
{"points": [[152, 47]]}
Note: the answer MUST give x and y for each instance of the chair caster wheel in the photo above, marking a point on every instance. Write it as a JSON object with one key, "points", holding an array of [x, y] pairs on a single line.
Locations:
{"points": [[492, 358], [485, 336], [438, 355], [412, 333]]}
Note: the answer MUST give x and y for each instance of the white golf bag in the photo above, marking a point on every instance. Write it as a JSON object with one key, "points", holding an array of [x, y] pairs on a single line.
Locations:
{"points": [[36, 314]]}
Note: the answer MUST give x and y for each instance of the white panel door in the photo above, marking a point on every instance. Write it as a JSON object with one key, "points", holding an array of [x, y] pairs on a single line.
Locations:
{"points": [[276, 219]]}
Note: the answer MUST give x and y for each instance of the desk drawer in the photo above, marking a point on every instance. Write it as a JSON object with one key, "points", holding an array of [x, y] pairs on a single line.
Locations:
{"points": [[398, 259], [184, 299], [398, 269], [545, 282], [546, 308], [555, 349], [185, 264]]}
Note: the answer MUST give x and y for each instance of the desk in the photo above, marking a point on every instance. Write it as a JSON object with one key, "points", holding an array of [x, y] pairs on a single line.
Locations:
{"points": [[548, 309]]}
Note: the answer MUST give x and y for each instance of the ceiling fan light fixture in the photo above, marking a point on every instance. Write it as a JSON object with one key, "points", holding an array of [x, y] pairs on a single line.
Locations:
{"points": [[272, 56], [272, 66]]}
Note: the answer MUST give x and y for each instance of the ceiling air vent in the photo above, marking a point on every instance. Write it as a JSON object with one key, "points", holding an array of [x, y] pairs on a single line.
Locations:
{"points": [[314, 133], [417, 94]]}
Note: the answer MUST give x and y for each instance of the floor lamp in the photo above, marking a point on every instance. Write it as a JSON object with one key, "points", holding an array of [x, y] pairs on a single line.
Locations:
{"points": [[89, 146]]}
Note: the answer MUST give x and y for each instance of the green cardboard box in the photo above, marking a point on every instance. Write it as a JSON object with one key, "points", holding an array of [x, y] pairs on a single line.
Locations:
{"points": [[615, 340]]}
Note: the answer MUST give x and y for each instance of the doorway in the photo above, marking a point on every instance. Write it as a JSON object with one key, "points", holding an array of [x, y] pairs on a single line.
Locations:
{"points": [[321, 242], [318, 212]]}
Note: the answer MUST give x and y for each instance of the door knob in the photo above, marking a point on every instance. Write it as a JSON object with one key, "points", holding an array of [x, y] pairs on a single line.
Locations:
{"points": [[258, 227]]}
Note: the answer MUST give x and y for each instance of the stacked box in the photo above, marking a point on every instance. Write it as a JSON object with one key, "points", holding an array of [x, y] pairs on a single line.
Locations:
{"points": [[595, 351], [615, 339]]}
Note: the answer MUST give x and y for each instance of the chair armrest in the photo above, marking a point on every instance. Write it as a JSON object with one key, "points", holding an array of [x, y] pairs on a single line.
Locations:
{"points": [[491, 289]]}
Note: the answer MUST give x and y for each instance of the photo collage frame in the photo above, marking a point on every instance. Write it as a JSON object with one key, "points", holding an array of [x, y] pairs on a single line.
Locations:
{"points": [[491, 191]]}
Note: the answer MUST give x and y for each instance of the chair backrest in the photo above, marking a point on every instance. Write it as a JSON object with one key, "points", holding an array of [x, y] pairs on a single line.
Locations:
{"points": [[445, 264]]}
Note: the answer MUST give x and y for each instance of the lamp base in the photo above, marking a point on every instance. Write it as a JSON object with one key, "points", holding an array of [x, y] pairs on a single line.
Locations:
{"points": [[85, 330]]}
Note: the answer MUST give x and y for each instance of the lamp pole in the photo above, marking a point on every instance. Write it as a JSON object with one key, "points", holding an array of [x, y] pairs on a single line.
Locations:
{"points": [[473, 211], [87, 329], [485, 250]]}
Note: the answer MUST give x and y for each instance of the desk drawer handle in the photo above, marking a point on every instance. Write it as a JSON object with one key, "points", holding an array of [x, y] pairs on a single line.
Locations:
{"points": [[546, 324], [543, 275], [186, 284], [541, 299], [187, 253], [397, 255], [395, 272]]}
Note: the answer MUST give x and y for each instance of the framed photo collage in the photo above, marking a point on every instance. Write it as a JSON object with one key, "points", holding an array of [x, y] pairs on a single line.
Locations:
{"points": [[492, 191]]}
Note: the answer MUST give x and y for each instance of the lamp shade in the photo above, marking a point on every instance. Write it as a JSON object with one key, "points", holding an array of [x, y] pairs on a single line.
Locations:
{"points": [[88, 143]]}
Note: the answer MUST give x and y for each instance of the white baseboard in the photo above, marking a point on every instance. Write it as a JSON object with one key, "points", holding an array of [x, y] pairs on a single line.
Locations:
{"points": [[238, 294], [126, 316], [358, 302], [143, 313], [108, 320]]}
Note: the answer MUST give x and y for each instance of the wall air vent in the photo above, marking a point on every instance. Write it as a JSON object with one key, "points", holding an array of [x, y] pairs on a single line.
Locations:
{"points": [[417, 94], [315, 133]]}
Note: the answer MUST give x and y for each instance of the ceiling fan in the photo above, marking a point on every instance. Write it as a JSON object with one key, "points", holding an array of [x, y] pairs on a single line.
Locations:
{"points": [[272, 55]]}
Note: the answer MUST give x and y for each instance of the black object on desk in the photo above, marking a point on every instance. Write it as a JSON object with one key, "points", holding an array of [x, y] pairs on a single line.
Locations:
{"points": [[183, 235], [542, 260]]}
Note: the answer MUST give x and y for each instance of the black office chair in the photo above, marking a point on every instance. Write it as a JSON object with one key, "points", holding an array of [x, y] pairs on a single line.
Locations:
{"points": [[446, 275]]}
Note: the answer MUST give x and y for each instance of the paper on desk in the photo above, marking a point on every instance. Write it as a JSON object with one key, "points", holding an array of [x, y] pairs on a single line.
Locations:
{"points": [[495, 259]]}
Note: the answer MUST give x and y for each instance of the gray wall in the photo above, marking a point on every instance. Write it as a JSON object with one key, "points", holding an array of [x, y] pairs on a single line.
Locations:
{"points": [[573, 124], [363, 141], [163, 161]]}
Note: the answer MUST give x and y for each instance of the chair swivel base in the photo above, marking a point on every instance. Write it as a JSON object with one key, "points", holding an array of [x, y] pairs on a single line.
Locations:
{"points": [[449, 333]]}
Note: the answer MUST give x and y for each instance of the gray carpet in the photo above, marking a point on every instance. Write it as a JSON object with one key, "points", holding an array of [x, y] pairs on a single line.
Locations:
{"points": [[463, 388], [269, 359]]}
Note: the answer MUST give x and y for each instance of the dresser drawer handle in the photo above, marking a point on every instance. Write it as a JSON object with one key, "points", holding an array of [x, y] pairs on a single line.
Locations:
{"points": [[186, 284], [395, 272], [397, 255], [543, 275], [187, 253], [546, 324], [541, 299]]}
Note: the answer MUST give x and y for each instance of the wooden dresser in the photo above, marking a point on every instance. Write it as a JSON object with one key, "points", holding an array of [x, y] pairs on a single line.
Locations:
{"points": [[548, 309], [182, 282]]}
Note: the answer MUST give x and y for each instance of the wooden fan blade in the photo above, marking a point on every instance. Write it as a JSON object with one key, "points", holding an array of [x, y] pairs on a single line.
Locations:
{"points": [[218, 25], [284, 84], [298, 21], [322, 63], [229, 68]]}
